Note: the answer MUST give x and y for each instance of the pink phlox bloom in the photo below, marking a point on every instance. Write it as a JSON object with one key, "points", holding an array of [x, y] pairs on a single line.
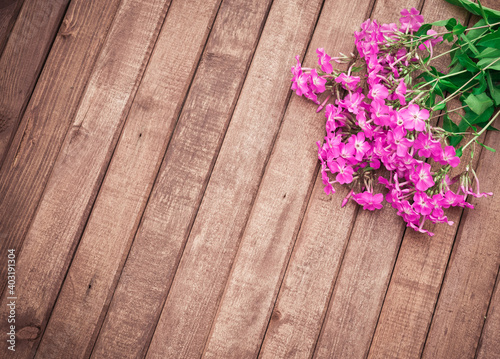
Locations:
{"points": [[359, 144], [368, 200], [373, 160], [448, 156], [352, 102], [312, 96], [317, 82], [344, 170], [431, 41], [422, 177], [380, 113], [301, 84], [348, 82], [414, 117], [406, 211], [400, 92], [389, 31], [378, 93], [411, 20], [451, 199], [364, 124], [322, 151], [398, 141], [426, 145], [421, 203], [297, 69], [326, 181], [334, 113], [419, 228], [324, 61]]}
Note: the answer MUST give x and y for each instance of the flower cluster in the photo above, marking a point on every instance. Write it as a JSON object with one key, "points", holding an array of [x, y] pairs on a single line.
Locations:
{"points": [[379, 124]]}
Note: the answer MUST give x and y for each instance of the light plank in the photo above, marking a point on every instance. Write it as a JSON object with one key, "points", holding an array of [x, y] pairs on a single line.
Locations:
{"points": [[412, 294], [48, 116], [94, 271], [367, 265], [489, 345], [204, 268], [80, 166], [269, 236], [471, 274], [151, 264], [23, 58]]}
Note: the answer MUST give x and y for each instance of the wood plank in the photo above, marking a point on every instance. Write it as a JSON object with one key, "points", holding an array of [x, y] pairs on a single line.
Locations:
{"points": [[412, 294], [9, 11], [48, 116], [203, 270], [269, 235], [365, 271], [489, 344], [471, 274], [85, 295], [22, 61], [80, 166], [157, 248]]}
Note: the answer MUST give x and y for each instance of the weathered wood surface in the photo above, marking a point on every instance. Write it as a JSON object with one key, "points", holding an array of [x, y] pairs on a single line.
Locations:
{"points": [[161, 189]]}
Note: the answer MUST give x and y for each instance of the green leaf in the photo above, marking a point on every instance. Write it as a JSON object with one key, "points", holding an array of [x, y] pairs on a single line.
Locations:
{"points": [[439, 107], [479, 103], [494, 90], [490, 63], [459, 152], [446, 23], [475, 9], [423, 30], [449, 125], [475, 33], [481, 9], [469, 43], [491, 40], [481, 87], [467, 62], [488, 52], [487, 147]]}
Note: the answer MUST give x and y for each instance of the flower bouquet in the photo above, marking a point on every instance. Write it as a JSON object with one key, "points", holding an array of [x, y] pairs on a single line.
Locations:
{"points": [[382, 112]]}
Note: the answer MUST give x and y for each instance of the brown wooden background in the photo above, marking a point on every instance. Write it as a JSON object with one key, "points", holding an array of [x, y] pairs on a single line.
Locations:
{"points": [[160, 186]]}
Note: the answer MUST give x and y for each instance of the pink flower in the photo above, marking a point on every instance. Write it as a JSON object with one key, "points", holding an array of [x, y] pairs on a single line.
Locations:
{"points": [[422, 177], [414, 117], [368, 200], [348, 82], [378, 93], [352, 102], [344, 171], [448, 156], [401, 92], [398, 141], [359, 144], [431, 41], [318, 82], [326, 181], [411, 20], [426, 145], [324, 61], [421, 203]]}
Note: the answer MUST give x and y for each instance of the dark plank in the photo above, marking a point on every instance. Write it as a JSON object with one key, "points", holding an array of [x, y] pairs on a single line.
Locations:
{"points": [[470, 277], [367, 263], [80, 166], [85, 295], [269, 235], [204, 268], [22, 61], [421, 263], [9, 11], [47, 118], [151, 264], [489, 345]]}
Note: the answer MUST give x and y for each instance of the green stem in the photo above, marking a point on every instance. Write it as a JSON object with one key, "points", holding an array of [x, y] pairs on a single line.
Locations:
{"points": [[481, 132], [441, 77]]}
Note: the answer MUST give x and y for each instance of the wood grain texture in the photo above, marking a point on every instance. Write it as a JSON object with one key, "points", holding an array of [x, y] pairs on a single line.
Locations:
{"points": [[91, 279], [416, 280], [367, 264], [470, 277], [489, 345], [151, 265], [48, 116], [22, 61], [9, 11], [269, 235], [203, 270], [80, 166]]}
